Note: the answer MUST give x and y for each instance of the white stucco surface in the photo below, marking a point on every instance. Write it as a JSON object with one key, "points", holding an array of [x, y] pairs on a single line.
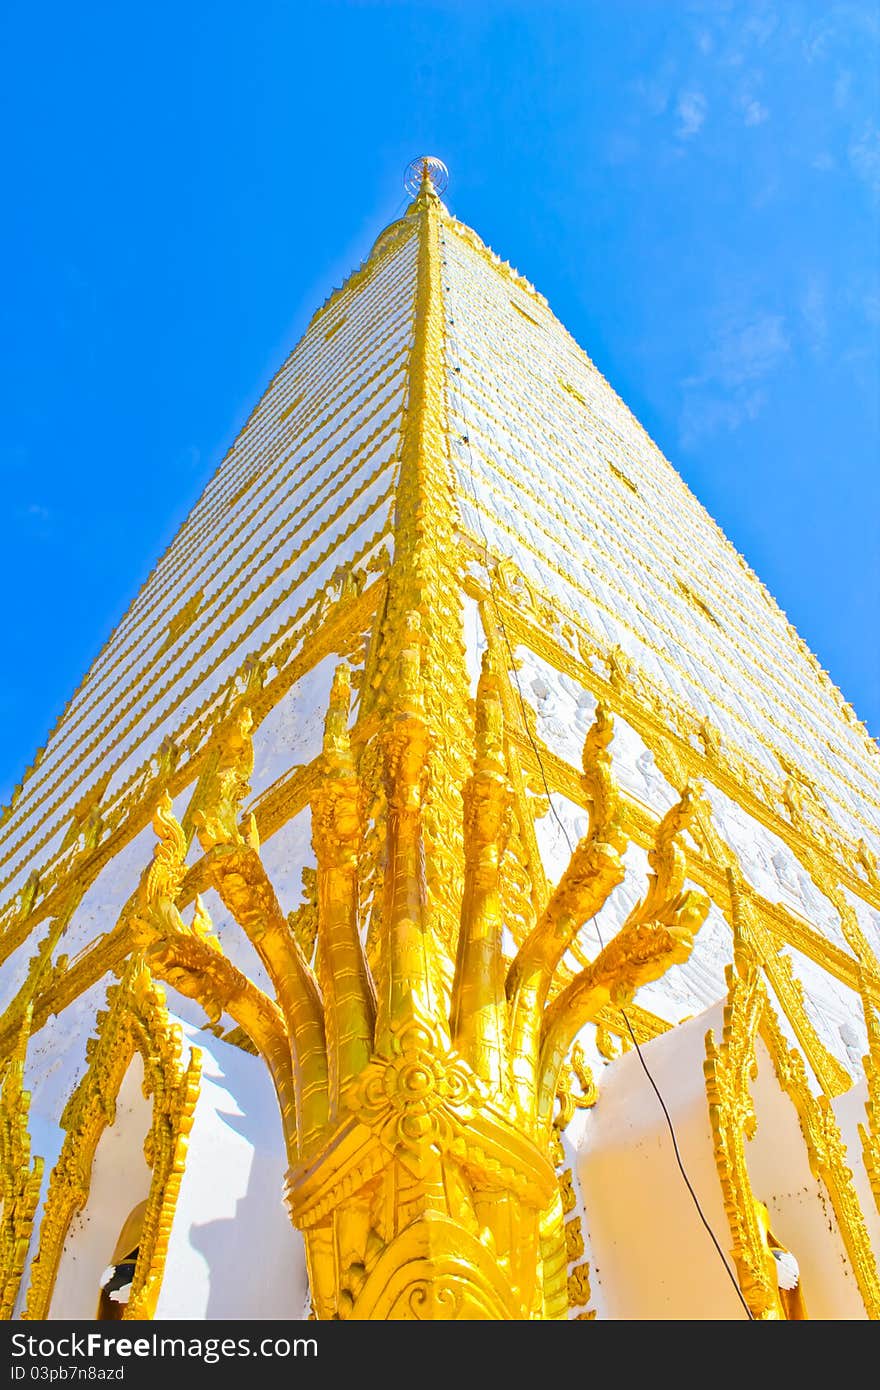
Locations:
{"points": [[120, 1179], [651, 1256], [233, 1252]]}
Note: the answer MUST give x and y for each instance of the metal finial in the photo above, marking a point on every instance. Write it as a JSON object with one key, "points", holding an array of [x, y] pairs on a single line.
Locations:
{"points": [[426, 169]]}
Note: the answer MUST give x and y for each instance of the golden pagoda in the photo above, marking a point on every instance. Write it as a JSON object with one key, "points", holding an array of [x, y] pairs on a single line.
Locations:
{"points": [[453, 891]]}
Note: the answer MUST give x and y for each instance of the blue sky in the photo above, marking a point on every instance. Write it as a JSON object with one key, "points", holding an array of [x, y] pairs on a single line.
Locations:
{"points": [[694, 186]]}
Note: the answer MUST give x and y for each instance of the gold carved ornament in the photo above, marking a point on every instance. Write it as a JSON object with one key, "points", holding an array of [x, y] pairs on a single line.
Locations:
{"points": [[827, 1154], [20, 1178], [869, 1133], [419, 1132], [661, 718], [570, 1101], [416, 1077], [136, 1020], [630, 694], [416, 1095], [730, 1068], [869, 989]]}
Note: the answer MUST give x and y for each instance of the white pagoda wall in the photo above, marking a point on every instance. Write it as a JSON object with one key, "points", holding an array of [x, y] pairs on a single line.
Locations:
{"points": [[317, 455], [552, 469]]}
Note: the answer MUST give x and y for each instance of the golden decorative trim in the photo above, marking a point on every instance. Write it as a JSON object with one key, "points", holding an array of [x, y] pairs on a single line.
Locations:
{"points": [[832, 1077], [139, 709], [539, 494], [827, 1154], [331, 626], [639, 824], [137, 1020], [520, 753], [869, 1133], [579, 1291], [20, 1179], [503, 387], [729, 1069], [426, 578], [405, 1118], [417, 1067], [190, 538], [659, 721], [525, 594]]}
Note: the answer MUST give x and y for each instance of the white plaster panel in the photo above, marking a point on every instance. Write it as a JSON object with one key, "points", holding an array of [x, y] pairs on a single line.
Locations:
{"points": [[800, 1211], [233, 1252], [834, 1011], [291, 733], [285, 856], [474, 641], [56, 1055], [771, 867], [849, 1111], [120, 1179], [651, 1256]]}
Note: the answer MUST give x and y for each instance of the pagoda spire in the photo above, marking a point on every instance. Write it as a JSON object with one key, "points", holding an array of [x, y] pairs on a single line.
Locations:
{"points": [[425, 580]]}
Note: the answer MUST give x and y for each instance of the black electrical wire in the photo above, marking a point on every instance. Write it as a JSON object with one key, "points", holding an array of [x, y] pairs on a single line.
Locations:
{"points": [[535, 749]]}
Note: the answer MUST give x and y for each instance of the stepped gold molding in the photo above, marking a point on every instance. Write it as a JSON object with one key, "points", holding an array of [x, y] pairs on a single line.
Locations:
{"points": [[730, 1068], [190, 540], [607, 433], [386, 243], [869, 1133], [136, 1020], [210, 626], [218, 655], [20, 1177], [416, 1065], [827, 1154], [215, 620], [637, 822], [220, 565], [553, 614], [330, 621], [661, 721], [539, 496], [519, 281], [597, 504]]}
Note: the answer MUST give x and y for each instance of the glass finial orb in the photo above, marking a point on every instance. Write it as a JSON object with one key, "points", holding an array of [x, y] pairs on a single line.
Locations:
{"points": [[436, 170]]}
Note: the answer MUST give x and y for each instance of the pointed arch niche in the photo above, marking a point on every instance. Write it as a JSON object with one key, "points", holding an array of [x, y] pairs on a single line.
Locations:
{"points": [[775, 1140], [126, 1128]]}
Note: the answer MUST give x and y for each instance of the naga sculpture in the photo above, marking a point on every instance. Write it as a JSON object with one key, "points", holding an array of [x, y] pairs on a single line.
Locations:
{"points": [[417, 1109]]}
